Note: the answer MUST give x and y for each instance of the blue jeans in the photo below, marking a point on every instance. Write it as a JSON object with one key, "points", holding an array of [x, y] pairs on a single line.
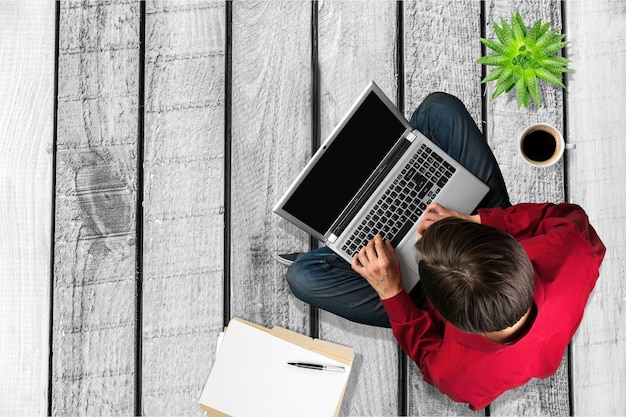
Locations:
{"points": [[323, 279]]}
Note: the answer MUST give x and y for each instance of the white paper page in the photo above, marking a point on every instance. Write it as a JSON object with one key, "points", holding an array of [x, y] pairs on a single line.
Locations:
{"points": [[250, 377]]}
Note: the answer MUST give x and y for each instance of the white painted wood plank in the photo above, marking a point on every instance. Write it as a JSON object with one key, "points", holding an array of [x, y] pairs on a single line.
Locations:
{"points": [[94, 270], [441, 47], [26, 122], [183, 202], [271, 128], [357, 44], [505, 122], [596, 102]]}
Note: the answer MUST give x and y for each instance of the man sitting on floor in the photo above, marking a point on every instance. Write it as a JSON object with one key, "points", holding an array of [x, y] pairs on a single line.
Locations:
{"points": [[501, 291]]}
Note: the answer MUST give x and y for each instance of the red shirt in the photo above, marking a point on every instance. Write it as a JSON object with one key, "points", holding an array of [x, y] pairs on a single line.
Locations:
{"points": [[566, 254]]}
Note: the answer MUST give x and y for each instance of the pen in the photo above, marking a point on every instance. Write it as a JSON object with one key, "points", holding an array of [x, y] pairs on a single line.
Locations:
{"points": [[318, 367]]}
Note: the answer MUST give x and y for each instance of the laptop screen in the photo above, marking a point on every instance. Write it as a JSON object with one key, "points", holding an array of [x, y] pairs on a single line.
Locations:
{"points": [[345, 164]]}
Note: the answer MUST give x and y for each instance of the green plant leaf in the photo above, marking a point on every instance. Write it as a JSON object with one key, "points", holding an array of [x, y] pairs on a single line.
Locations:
{"points": [[496, 46], [520, 91], [502, 87], [493, 75], [505, 36], [494, 60], [553, 48], [510, 87], [542, 30], [531, 84], [519, 29], [554, 61], [548, 77], [556, 73], [533, 33], [497, 92], [507, 31], [548, 39], [526, 99], [505, 82]]}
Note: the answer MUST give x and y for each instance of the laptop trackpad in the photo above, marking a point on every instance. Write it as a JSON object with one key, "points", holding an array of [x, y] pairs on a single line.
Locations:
{"points": [[408, 261]]}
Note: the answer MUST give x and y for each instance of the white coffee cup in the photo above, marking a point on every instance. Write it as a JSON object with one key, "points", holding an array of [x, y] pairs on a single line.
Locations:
{"points": [[542, 145]]}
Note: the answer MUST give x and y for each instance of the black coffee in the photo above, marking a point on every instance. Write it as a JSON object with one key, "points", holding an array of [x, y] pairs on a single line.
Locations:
{"points": [[539, 146]]}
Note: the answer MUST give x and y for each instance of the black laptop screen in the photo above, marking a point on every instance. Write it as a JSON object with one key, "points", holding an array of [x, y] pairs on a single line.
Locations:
{"points": [[346, 164]]}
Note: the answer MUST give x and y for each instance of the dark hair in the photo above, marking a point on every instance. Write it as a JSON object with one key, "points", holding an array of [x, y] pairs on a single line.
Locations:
{"points": [[479, 278]]}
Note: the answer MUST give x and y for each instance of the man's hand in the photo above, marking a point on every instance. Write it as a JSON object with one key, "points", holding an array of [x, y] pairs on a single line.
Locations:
{"points": [[378, 263], [435, 212]]}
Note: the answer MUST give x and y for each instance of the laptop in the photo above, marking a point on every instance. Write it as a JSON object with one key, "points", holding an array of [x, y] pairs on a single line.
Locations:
{"points": [[376, 174]]}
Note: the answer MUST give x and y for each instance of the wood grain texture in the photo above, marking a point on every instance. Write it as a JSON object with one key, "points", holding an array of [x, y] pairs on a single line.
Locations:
{"points": [[26, 123], [441, 47], [528, 184], [357, 44], [596, 103], [183, 202], [94, 269], [271, 128]]}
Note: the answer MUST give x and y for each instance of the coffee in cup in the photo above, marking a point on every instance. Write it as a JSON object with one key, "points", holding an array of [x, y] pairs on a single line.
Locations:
{"points": [[542, 145]]}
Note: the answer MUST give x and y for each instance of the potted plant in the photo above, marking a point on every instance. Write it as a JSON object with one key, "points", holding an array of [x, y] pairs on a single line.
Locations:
{"points": [[523, 57]]}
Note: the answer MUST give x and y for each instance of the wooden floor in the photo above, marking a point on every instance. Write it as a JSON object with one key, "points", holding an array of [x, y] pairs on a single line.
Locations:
{"points": [[144, 144]]}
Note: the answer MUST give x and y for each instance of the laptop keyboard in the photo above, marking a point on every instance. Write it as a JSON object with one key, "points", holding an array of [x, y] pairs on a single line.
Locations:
{"points": [[404, 202]]}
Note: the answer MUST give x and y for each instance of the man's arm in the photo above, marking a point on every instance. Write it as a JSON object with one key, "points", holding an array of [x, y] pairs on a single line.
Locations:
{"points": [[415, 331], [378, 263]]}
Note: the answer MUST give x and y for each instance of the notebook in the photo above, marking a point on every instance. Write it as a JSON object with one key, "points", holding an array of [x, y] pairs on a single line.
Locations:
{"points": [[251, 375], [376, 174]]}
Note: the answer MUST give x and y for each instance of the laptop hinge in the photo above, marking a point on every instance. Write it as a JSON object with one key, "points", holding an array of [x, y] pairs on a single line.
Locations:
{"points": [[332, 238], [411, 137]]}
